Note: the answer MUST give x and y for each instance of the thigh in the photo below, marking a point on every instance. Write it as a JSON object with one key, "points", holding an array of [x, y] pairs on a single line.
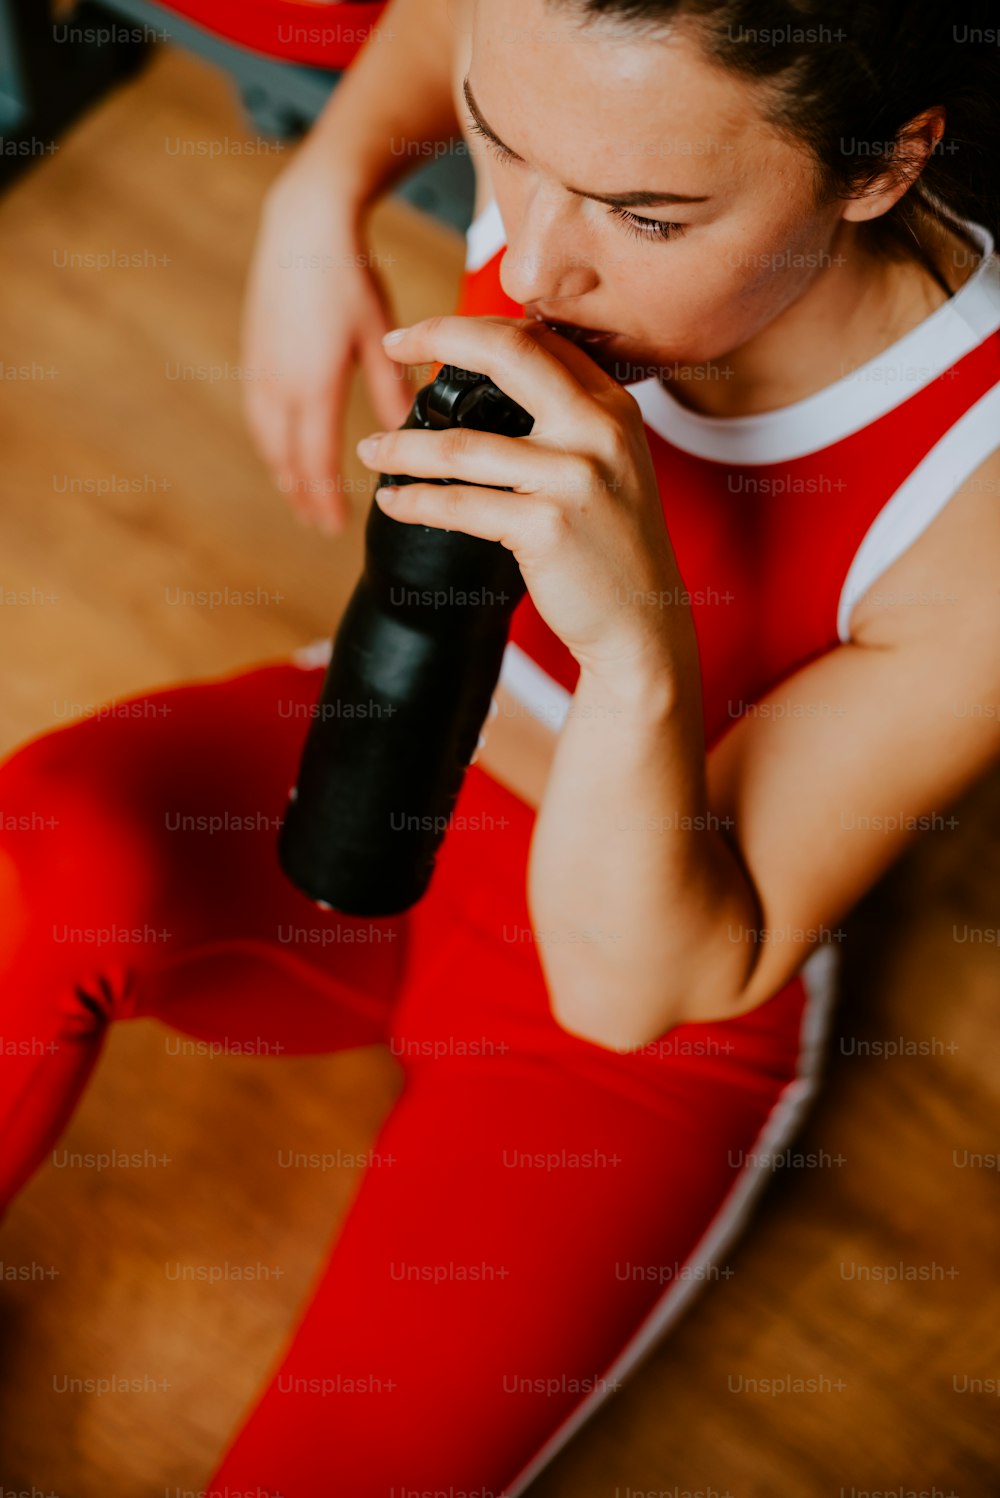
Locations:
{"points": [[538, 1212], [520, 1241], [139, 854]]}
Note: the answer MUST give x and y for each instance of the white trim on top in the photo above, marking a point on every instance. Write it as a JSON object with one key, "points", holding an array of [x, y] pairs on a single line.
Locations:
{"points": [[545, 698], [920, 498], [853, 401], [316, 653], [819, 974], [484, 236]]}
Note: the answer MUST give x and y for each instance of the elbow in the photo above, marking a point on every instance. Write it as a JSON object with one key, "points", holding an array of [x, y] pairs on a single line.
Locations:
{"points": [[618, 1028], [608, 1025]]}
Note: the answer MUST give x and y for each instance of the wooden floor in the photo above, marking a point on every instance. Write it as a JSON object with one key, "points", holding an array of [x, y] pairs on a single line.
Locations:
{"points": [[895, 1360]]}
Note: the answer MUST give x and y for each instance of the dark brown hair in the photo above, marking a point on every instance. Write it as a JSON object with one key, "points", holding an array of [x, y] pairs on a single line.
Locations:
{"points": [[844, 77]]}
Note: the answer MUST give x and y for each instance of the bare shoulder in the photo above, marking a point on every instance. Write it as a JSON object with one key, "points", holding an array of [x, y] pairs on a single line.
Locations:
{"points": [[873, 740], [946, 585]]}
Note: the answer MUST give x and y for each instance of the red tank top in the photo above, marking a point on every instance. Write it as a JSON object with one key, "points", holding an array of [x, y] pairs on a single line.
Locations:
{"points": [[781, 521]]}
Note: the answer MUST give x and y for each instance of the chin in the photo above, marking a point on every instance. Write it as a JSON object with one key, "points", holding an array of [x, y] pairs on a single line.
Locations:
{"points": [[628, 364]]}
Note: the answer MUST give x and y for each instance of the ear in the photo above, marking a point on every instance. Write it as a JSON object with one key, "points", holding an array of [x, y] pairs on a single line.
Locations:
{"points": [[907, 157]]}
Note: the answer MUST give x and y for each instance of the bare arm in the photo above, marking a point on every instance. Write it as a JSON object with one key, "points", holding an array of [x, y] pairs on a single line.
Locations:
{"points": [[398, 90], [668, 889], [315, 303]]}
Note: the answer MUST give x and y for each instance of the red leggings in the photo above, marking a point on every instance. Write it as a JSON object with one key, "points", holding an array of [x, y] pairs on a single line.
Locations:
{"points": [[549, 1206]]}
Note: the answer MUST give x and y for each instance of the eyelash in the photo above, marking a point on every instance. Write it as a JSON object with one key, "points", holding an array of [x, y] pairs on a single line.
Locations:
{"points": [[636, 227], [646, 228]]}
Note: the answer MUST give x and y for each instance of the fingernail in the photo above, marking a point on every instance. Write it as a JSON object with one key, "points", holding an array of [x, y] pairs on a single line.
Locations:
{"points": [[369, 445], [386, 496], [395, 335]]}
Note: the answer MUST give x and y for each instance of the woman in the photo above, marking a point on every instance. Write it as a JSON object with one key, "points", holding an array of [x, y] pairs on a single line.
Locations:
{"points": [[713, 731]]}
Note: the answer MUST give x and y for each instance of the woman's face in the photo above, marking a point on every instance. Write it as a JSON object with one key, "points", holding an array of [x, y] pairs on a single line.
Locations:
{"points": [[610, 112]]}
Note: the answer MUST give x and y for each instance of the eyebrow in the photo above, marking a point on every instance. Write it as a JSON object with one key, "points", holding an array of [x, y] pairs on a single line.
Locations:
{"points": [[642, 198]]}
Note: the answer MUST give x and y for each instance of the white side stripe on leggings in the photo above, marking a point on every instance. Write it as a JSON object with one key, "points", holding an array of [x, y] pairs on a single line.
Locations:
{"points": [[819, 974], [316, 653]]}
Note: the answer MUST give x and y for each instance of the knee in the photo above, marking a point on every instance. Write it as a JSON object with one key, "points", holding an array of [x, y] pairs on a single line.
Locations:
{"points": [[75, 849]]}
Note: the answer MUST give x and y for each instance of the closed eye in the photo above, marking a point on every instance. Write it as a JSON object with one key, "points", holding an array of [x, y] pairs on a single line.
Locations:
{"points": [[636, 226], [647, 228], [499, 150]]}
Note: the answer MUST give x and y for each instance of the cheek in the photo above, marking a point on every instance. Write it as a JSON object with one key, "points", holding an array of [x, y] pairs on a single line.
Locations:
{"points": [[714, 292], [776, 258], [691, 303]]}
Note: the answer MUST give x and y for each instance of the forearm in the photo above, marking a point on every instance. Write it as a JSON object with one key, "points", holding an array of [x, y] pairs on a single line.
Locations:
{"points": [[643, 913], [397, 91]]}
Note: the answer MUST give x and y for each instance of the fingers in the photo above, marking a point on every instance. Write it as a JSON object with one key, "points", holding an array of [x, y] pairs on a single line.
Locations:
{"points": [[296, 432], [544, 373], [270, 419], [518, 463], [590, 375], [317, 466], [512, 521], [390, 391], [298, 429]]}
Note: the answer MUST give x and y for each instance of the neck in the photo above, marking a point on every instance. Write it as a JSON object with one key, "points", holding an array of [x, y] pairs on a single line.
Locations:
{"points": [[856, 306]]}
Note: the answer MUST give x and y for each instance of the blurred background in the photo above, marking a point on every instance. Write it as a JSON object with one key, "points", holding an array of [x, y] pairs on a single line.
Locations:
{"points": [[138, 142]]}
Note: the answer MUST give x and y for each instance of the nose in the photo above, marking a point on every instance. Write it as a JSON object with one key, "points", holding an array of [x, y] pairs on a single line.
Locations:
{"points": [[543, 261]]}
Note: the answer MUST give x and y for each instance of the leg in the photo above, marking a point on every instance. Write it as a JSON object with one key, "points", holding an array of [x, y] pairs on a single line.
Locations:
{"points": [[139, 877], [542, 1210]]}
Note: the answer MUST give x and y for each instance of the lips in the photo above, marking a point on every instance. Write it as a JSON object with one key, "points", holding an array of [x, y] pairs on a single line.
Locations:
{"points": [[575, 332]]}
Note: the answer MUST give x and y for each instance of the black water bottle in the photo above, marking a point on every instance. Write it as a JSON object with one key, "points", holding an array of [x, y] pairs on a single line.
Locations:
{"points": [[415, 661]]}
